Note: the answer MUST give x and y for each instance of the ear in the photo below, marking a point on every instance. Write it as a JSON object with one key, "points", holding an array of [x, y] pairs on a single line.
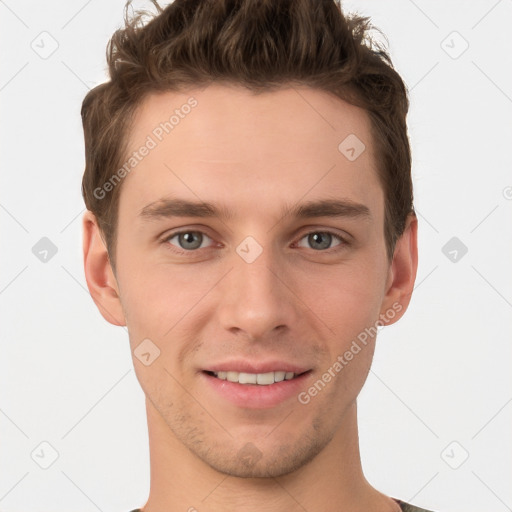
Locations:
{"points": [[99, 275], [401, 274]]}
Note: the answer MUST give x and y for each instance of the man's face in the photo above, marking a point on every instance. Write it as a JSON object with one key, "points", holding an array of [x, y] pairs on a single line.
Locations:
{"points": [[259, 284]]}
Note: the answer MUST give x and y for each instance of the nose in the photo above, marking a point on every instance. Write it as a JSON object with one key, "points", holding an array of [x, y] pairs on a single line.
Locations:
{"points": [[256, 299]]}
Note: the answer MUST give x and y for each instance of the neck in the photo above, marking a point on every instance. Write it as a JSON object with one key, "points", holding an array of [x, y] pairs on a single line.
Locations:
{"points": [[332, 481]]}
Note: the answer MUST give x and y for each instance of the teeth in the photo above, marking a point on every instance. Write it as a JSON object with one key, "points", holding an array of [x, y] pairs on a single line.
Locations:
{"points": [[279, 376], [263, 379], [247, 378]]}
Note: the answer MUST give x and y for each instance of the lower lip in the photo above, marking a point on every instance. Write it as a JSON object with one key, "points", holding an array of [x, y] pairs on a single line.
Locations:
{"points": [[254, 396]]}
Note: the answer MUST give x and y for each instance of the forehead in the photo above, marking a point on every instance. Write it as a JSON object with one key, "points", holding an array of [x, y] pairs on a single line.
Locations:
{"points": [[225, 142]]}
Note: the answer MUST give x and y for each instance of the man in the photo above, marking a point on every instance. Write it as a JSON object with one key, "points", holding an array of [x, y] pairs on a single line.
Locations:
{"points": [[250, 220]]}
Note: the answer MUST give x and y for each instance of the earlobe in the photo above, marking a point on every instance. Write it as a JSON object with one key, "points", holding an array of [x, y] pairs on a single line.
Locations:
{"points": [[100, 278], [402, 274]]}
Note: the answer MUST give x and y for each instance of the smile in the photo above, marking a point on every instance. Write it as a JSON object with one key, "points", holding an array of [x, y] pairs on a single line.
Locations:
{"points": [[255, 390], [262, 379]]}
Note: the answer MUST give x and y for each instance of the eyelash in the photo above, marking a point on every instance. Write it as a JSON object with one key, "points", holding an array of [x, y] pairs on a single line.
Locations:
{"points": [[343, 242]]}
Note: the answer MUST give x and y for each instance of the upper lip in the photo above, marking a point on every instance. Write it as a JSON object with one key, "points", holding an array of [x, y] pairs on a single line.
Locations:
{"points": [[245, 366]]}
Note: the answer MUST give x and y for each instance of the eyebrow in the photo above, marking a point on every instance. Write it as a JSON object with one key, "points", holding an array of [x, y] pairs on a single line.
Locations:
{"points": [[331, 208], [165, 208]]}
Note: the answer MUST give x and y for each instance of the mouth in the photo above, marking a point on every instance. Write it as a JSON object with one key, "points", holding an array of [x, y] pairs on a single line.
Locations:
{"points": [[257, 379], [260, 391]]}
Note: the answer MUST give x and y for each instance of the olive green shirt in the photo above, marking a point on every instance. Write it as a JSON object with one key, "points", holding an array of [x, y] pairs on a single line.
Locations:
{"points": [[407, 507]]}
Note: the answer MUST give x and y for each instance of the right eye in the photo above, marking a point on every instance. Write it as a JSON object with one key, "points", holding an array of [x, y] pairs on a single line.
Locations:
{"points": [[188, 240]]}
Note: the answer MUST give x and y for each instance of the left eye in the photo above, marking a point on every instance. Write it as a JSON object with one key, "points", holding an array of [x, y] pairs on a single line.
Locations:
{"points": [[320, 240], [189, 240]]}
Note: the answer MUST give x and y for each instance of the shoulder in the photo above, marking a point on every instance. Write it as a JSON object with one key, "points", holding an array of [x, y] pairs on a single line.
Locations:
{"points": [[407, 507]]}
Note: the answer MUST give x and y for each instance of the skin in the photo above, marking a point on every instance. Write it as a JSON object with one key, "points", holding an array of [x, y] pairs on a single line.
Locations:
{"points": [[258, 156]]}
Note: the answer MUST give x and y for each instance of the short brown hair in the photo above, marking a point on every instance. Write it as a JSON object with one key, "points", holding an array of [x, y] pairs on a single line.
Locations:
{"points": [[259, 44]]}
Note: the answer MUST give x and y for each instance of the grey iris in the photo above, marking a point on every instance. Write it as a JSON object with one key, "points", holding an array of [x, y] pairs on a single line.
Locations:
{"points": [[319, 241], [190, 240]]}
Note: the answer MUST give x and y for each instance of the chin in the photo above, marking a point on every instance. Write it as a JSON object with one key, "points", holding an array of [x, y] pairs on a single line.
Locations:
{"points": [[264, 462]]}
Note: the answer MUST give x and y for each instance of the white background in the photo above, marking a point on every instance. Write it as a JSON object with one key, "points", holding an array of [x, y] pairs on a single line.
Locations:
{"points": [[441, 375]]}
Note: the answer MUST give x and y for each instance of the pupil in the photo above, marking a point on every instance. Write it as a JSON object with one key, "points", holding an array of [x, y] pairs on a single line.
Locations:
{"points": [[320, 240], [190, 240]]}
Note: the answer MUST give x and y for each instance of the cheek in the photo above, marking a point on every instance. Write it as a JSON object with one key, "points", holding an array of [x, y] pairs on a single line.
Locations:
{"points": [[158, 304], [350, 308], [347, 299], [160, 299]]}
